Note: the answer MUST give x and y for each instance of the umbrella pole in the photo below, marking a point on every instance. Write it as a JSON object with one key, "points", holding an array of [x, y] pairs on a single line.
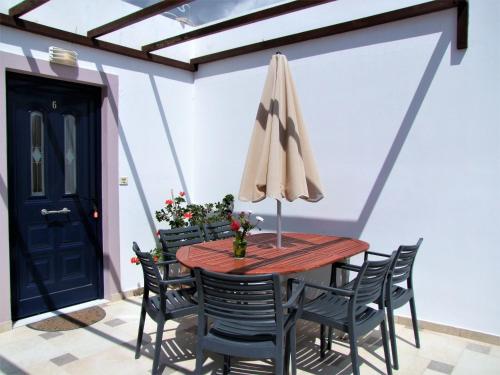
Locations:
{"points": [[278, 226]]}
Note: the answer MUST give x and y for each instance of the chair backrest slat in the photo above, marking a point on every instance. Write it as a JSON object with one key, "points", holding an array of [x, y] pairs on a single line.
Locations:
{"points": [[235, 298], [151, 273], [370, 282], [172, 239], [403, 262], [218, 230]]}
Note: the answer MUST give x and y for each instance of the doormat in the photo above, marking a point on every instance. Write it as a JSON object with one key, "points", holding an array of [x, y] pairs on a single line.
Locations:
{"points": [[74, 320]]}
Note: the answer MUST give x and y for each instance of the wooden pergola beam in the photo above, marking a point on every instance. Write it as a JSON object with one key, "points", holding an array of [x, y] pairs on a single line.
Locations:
{"points": [[357, 24], [462, 24], [361, 23], [234, 22], [135, 17], [25, 6], [51, 32]]}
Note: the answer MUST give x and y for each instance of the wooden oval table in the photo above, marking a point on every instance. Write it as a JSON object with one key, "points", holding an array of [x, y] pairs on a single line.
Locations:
{"points": [[300, 252]]}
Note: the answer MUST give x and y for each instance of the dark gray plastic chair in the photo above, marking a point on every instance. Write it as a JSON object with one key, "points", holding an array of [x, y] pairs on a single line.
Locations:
{"points": [[248, 318], [172, 239], [347, 309], [218, 230], [165, 304], [396, 295]]}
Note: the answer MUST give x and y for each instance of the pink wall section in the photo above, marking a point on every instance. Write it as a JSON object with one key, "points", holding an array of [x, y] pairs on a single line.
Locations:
{"points": [[109, 136]]}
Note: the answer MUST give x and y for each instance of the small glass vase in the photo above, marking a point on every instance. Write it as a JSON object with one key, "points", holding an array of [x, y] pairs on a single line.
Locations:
{"points": [[239, 248]]}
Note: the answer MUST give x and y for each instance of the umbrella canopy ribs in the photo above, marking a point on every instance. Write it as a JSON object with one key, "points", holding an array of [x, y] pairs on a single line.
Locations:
{"points": [[280, 163]]}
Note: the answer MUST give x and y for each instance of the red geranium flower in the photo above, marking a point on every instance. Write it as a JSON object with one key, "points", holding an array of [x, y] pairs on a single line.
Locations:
{"points": [[155, 258], [188, 215], [235, 226], [134, 260], [182, 193], [169, 202]]}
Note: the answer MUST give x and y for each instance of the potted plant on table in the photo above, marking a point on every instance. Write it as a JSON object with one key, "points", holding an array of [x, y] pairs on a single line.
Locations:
{"points": [[241, 225]]}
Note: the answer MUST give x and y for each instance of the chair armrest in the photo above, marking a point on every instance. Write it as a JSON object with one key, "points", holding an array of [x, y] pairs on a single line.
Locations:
{"points": [[349, 267], [180, 280], [292, 301], [378, 254], [339, 291]]}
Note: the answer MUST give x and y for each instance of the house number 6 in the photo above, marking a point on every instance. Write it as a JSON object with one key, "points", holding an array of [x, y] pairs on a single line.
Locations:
{"points": [[54, 104]]}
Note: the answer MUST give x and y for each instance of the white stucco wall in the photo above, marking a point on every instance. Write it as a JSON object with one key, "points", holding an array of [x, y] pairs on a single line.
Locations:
{"points": [[405, 130]]}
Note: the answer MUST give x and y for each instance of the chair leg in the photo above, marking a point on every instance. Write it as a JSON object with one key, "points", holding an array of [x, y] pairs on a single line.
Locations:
{"points": [[227, 364], [288, 351], [139, 334], [392, 335], [387, 353], [291, 351], [330, 338], [414, 321], [159, 337], [322, 341], [279, 363], [354, 353], [200, 358]]}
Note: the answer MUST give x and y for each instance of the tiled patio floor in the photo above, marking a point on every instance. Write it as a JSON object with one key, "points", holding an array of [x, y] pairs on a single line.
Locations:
{"points": [[107, 347]]}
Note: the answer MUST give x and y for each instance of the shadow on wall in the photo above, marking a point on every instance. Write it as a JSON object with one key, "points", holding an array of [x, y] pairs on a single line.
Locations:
{"points": [[442, 22], [355, 228], [168, 134], [3, 191], [128, 153]]}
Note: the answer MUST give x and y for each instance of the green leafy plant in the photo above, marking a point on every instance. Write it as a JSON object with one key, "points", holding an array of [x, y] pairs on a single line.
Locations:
{"points": [[177, 213]]}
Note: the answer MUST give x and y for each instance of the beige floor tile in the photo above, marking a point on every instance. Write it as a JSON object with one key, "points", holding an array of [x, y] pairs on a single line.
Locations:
{"points": [[47, 368], [412, 365], [495, 350], [103, 349], [29, 351], [112, 361], [476, 363], [437, 346], [85, 342], [431, 372], [18, 334]]}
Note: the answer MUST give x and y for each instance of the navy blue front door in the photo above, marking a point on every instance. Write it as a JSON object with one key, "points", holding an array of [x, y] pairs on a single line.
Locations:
{"points": [[54, 189]]}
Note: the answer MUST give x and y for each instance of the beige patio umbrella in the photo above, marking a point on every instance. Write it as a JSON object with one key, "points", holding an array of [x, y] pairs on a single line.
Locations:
{"points": [[279, 162]]}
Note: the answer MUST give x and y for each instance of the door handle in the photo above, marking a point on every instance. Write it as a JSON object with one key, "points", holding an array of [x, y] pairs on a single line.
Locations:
{"points": [[45, 212]]}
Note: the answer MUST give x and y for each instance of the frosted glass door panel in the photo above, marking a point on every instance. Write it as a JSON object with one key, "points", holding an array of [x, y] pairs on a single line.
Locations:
{"points": [[37, 154], [69, 154]]}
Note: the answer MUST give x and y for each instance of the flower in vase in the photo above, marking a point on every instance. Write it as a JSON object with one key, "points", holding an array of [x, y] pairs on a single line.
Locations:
{"points": [[242, 224]]}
